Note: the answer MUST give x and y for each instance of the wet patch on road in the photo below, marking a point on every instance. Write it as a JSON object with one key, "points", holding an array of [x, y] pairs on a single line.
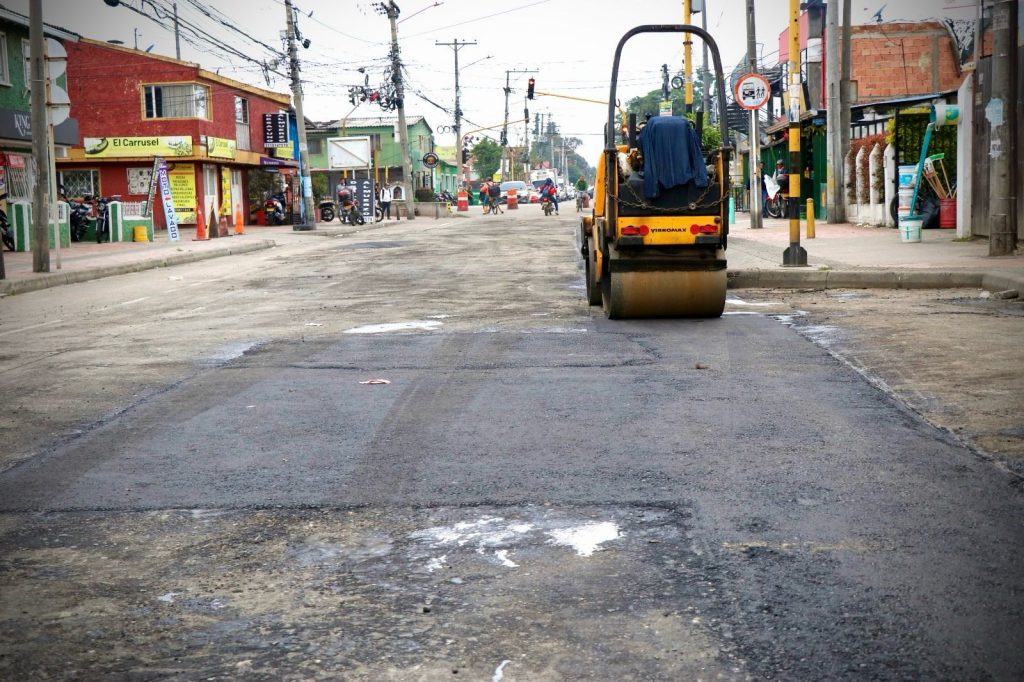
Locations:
{"points": [[523, 591]]}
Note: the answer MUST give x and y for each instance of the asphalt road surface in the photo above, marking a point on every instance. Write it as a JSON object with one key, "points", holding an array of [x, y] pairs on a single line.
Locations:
{"points": [[416, 454]]}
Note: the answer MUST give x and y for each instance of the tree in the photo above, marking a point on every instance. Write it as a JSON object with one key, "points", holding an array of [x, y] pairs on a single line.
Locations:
{"points": [[650, 103], [486, 158]]}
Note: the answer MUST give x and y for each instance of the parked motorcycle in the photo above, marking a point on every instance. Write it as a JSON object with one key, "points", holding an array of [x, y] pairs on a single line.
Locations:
{"points": [[79, 217], [328, 209], [273, 209], [5, 227], [102, 219], [352, 215]]}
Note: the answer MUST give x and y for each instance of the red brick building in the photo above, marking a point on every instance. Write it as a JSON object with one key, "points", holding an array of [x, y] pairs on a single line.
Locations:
{"points": [[890, 61], [132, 106]]}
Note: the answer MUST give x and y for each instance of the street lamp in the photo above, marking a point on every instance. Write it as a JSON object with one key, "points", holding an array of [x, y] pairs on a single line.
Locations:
{"points": [[160, 15]]}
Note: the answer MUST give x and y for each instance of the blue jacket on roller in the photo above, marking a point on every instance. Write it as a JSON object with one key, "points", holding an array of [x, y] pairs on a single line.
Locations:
{"points": [[672, 155]]}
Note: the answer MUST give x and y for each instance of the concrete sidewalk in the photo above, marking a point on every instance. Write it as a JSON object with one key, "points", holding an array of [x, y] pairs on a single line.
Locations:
{"points": [[84, 261], [842, 255], [846, 255]]}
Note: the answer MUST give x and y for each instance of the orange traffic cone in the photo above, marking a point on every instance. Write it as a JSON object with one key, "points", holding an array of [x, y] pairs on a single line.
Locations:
{"points": [[239, 227], [200, 228]]}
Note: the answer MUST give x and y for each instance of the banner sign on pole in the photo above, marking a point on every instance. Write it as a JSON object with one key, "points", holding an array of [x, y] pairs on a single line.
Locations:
{"points": [[275, 130], [165, 194]]}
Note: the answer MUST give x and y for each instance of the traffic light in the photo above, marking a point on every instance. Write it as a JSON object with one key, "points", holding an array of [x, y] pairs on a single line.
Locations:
{"points": [[529, 89], [465, 155]]}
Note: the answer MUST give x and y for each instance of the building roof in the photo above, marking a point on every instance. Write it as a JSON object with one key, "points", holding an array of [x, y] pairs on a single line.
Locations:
{"points": [[281, 98], [368, 122], [48, 29]]}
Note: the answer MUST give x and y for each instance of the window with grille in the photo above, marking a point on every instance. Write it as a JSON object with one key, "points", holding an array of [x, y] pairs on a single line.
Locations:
{"points": [[20, 180], [315, 145], [78, 183], [188, 100]]}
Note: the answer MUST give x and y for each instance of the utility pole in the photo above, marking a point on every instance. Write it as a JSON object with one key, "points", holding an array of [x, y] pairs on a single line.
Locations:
{"points": [[836, 212], [456, 46], [845, 100], [41, 192], [1000, 114], [754, 140], [177, 36], [504, 130], [794, 255], [305, 181], [391, 10], [705, 94]]}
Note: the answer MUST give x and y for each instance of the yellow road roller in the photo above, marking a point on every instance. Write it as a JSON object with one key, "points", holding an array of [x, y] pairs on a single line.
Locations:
{"points": [[655, 242]]}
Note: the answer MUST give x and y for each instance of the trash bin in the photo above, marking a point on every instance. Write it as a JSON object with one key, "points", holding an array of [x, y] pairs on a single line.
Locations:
{"points": [[947, 214]]}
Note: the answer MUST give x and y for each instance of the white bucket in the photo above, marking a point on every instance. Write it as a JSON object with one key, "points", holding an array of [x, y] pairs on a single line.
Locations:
{"points": [[910, 229], [907, 176], [906, 195]]}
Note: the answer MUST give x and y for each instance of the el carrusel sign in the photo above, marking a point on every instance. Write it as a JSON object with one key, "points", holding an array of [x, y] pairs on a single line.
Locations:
{"points": [[113, 147]]}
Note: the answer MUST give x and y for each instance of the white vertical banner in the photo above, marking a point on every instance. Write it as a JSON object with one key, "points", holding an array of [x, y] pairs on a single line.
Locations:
{"points": [[165, 195]]}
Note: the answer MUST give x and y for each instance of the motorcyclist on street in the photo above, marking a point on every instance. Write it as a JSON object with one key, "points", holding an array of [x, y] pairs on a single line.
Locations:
{"points": [[549, 191]]}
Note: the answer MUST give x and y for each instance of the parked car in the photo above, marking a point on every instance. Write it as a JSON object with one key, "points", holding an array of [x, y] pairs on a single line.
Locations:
{"points": [[525, 193]]}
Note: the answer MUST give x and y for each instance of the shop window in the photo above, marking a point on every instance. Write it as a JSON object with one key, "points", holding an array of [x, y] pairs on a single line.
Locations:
{"points": [[187, 100], [5, 76], [77, 183], [139, 179]]}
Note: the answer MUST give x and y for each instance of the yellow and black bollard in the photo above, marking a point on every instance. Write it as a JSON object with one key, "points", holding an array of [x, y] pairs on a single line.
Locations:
{"points": [[794, 255]]}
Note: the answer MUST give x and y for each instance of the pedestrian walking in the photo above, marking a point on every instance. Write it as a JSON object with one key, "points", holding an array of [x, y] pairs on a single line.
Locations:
{"points": [[385, 199]]}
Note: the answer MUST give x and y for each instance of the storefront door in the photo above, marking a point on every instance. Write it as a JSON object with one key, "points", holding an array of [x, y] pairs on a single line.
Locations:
{"points": [[211, 181], [237, 198]]}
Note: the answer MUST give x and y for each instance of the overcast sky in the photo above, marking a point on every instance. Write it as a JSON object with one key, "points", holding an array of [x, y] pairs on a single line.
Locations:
{"points": [[570, 43]]}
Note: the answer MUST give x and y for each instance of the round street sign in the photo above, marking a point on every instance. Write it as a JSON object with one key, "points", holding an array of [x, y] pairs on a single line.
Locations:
{"points": [[430, 159], [752, 91]]}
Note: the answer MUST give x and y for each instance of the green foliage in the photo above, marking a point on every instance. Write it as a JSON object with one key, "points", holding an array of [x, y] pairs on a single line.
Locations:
{"points": [[486, 158], [423, 194], [711, 137], [320, 186]]}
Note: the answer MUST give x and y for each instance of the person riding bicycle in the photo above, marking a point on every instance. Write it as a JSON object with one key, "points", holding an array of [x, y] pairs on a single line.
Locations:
{"points": [[581, 190], [494, 196], [550, 192], [485, 196]]}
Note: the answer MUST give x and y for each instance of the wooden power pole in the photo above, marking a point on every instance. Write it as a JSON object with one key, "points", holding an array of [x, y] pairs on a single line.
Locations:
{"points": [[1000, 113]]}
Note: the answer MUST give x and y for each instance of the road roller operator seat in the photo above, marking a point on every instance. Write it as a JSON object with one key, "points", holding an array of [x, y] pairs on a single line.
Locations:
{"points": [[667, 174]]}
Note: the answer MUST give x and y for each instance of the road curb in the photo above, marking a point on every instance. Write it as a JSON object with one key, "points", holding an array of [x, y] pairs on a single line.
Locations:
{"points": [[56, 279], [874, 279]]}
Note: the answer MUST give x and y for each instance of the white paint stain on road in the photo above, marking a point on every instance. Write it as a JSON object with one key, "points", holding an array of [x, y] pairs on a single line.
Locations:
{"points": [[414, 325], [498, 674], [586, 539], [502, 555]]}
